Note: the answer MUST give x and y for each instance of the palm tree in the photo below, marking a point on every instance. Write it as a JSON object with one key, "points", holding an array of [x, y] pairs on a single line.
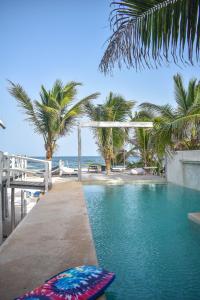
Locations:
{"points": [[143, 138], [54, 114], [116, 108], [151, 32], [178, 126]]}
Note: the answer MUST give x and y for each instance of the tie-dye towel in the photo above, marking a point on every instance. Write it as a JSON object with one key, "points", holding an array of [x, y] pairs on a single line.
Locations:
{"points": [[80, 283]]}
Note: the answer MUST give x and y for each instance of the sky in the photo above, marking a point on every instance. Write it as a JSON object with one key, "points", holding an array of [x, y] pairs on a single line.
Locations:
{"points": [[45, 40]]}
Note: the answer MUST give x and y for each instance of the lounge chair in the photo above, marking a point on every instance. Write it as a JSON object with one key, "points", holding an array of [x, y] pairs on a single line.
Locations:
{"points": [[137, 171], [68, 171], [94, 169], [118, 168]]}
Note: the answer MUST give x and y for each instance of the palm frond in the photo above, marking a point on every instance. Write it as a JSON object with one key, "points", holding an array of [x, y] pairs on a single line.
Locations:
{"points": [[166, 110], [174, 126], [180, 94], [26, 104], [119, 108], [19, 93], [69, 93], [51, 111], [192, 93], [180, 123], [143, 115], [74, 112], [79, 107], [44, 95], [150, 33]]}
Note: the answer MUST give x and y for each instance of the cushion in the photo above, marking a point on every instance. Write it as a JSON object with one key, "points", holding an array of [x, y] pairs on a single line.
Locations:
{"points": [[80, 283], [138, 171]]}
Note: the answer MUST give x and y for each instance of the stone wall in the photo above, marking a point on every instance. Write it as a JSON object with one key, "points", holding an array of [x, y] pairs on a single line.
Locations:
{"points": [[183, 168]]}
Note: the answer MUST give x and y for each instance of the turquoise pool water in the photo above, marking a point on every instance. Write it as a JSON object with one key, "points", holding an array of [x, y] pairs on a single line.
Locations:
{"points": [[142, 233]]}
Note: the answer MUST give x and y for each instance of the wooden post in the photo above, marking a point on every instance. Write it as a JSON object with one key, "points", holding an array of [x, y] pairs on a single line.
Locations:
{"points": [[25, 204], [22, 204], [6, 201], [7, 166], [4, 196], [25, 167], [61, 165], [12, 209], [50, 170], [3, 203], [79, 154], [46, 176]]}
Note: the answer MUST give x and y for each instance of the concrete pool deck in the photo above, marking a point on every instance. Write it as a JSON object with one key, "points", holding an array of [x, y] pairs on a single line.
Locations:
{"points": [[114, 177], [120, 178], [54, 236]]}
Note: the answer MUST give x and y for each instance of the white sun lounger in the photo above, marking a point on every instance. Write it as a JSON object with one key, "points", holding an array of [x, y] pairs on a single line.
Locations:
{"points": [[137, 171], [118, 169], [68, 171]]}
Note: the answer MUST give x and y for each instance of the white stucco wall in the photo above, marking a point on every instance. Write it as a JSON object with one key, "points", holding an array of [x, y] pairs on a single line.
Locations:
{"points": [[183, 168]]}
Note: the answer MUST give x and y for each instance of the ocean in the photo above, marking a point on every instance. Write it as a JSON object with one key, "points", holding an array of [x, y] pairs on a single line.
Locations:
{"points": [[72, 161]]}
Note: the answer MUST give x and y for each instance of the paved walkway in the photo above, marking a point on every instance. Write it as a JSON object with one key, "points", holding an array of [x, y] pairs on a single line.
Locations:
{"points": [[54, 236], [114, 177]]}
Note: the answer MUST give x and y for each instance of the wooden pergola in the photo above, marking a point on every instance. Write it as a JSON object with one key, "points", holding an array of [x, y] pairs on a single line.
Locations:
{"points": [[106, 125]]}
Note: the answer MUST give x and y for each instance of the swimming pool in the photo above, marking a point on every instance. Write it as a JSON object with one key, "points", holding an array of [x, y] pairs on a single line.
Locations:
{"points": [[142, 233]]}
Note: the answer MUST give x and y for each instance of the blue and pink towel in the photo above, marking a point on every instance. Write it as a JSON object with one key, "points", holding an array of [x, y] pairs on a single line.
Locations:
{"points": [[80, 283]]}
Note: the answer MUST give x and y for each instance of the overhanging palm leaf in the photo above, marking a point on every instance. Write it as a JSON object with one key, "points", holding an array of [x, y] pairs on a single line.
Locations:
{"points": [[151, 32], [166, 110], [179, 123], [176, 125]]}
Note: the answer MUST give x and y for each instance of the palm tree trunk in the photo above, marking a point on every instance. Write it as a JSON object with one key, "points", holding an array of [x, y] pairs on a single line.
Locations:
{"points": [[49, 152], [108, 165]]}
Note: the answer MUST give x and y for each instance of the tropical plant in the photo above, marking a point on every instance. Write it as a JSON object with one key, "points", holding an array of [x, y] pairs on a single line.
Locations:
{"points": [[152, 32], [121, 156], [116, 108], [143, 144], [178, 127], [54, 114]]}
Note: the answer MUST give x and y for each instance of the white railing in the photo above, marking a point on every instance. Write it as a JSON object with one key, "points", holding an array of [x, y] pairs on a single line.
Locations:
{"points": [[17, 167]]}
